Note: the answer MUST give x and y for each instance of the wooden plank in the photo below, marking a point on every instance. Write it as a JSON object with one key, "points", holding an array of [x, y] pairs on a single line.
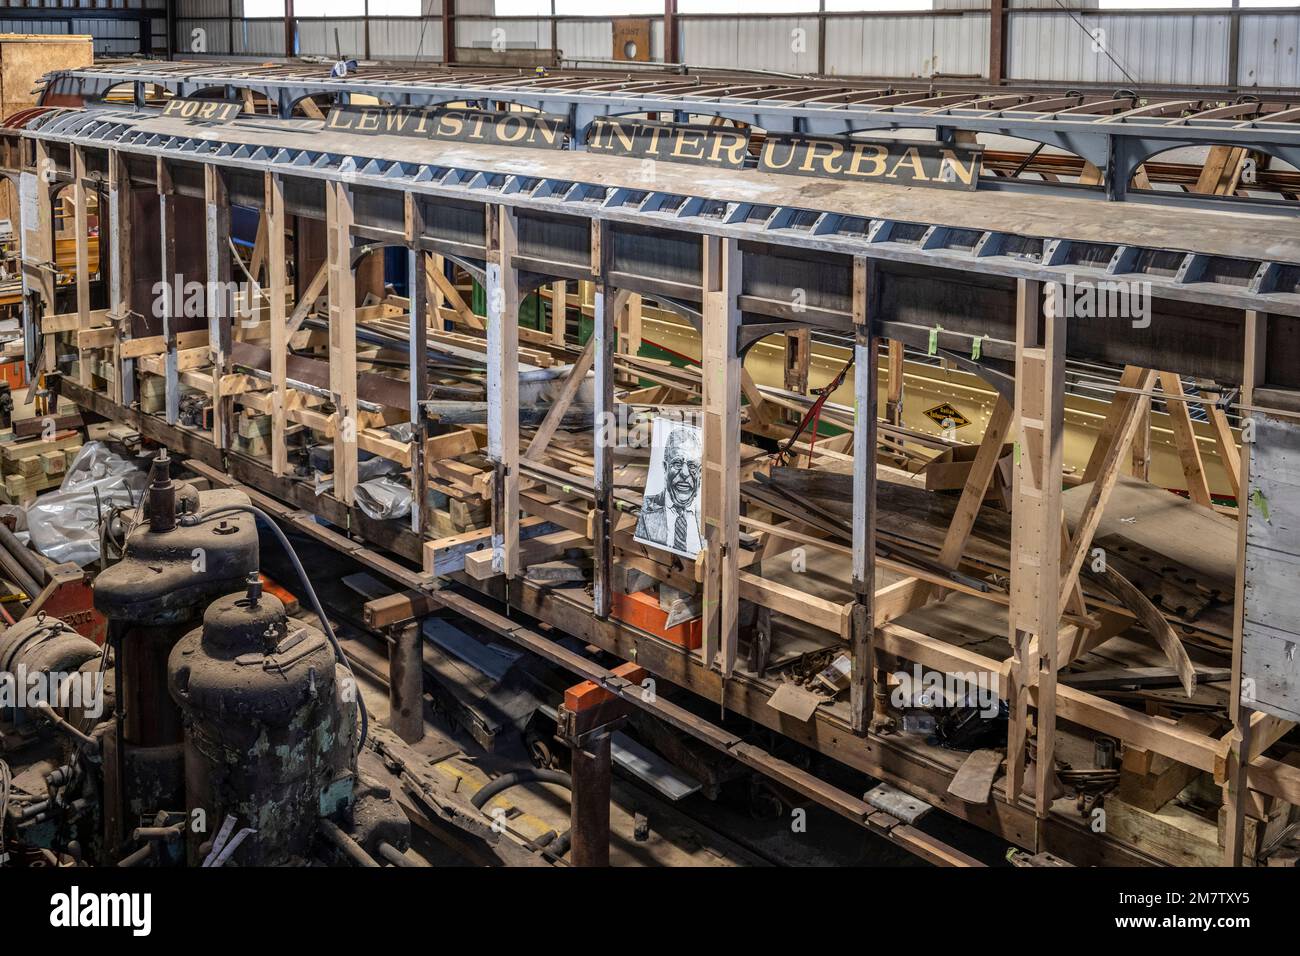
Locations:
{"points": [[1102, 485], [38, 253], [1189, 452], [973, 781], [721, 472], [319, 283], [503, 294], [417, 333], [167, 226], [80, 226], [276, 253], [1036, 529], [862, 623], [1229, 455], [122, 388], [481, 566], [467, 316], [216, 210], [1119, 406], [605, 429], [343, 337], [559, 311], [563, 399]]}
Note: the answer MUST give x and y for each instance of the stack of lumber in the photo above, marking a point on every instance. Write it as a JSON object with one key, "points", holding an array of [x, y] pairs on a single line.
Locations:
{"points": [[30, 466]]}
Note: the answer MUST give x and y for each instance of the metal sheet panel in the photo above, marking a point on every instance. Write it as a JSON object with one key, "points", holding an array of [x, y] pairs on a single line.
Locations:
{"points": [[586, 39], [259, 37], [205, 9], [1270, 50], [515, 34], [777, 44], [406, 38], [214, 38], [908, 46], [1173, 49], [317, 37]]}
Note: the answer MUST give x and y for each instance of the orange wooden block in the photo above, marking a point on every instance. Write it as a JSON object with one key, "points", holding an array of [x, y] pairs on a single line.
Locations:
{"points": [[643, 611], [589, 694]]}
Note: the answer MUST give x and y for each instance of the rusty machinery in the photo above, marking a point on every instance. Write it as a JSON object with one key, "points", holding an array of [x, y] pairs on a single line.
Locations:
{"points": [[210, 728]]}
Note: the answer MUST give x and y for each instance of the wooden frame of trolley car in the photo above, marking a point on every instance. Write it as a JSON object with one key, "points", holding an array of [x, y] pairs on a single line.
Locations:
{"points": [[742, 255]]}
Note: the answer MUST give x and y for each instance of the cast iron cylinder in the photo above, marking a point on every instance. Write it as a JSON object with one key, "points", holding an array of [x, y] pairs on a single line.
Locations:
{"points": [[270, 724]]}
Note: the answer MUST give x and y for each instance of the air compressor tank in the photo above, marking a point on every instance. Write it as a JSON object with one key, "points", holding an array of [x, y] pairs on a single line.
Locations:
{"points": [[270, 728]]}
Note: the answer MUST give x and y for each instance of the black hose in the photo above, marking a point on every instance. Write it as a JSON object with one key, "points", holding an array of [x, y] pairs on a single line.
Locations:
{"points": [[554, 847], [508, 780]]}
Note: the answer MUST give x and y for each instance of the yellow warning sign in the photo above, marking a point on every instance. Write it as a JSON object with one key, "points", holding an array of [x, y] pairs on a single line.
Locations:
{"points": [[946, 416]]}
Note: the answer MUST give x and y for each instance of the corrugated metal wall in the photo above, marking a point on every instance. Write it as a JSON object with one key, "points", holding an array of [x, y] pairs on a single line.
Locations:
{"points": [[330, 35], [511, 34], [1268, 50], [908, 46], [1123, 49], [406, 39], [111, 37], [781, 45], [1085, 46]]}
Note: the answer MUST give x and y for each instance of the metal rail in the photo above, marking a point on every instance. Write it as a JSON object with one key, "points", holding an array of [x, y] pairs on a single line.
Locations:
{"points": [[1116, 132], [1238, 282]]}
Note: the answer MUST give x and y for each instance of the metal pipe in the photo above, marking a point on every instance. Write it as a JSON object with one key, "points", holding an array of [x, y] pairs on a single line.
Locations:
{"points": [[158, 833], [138, 857], [350, 847], [29, 559], [395, 856], [13, 569]]}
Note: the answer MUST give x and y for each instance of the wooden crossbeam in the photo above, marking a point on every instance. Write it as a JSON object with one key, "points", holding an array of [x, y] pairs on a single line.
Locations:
{"points": [[1189, 452], [449, 291], [1111, 465], [563, 399], [319, 283]]}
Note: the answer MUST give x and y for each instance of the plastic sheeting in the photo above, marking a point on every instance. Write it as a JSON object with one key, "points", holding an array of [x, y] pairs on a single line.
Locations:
{"points": [[64, 524], [383, 498]]}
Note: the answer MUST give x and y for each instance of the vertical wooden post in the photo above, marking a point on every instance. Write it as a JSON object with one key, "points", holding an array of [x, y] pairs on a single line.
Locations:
{"points": [[1036, 533], [798, 359], [118, 244], [343, 338], [171, 288], [721, 490], [216, 209], [559, 311], [1236, 795], [503, 386], [866, 372], [36, 216], [605, 428], [418, 333], [275, 267], [894, 405], [80, 228]]}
